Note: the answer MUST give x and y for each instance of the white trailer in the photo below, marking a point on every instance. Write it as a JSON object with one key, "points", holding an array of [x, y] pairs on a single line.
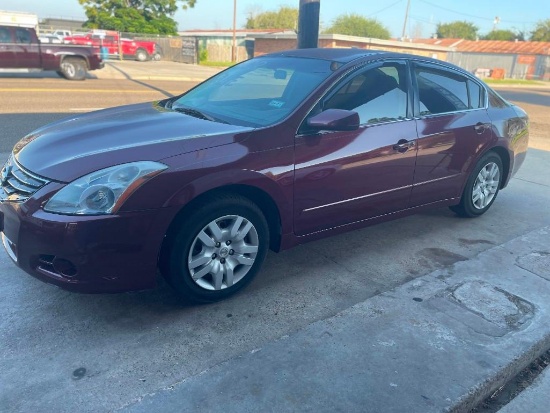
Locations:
{"points": [[19, 18]]}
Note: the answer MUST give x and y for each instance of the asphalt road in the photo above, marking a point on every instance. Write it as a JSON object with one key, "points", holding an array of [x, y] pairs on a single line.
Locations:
{"points": [[95, 353], [536, 101]]}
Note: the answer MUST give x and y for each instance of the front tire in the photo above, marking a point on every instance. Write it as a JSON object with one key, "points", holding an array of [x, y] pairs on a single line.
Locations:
{"points": [[73, 68], [216, 250], [481, 188]]}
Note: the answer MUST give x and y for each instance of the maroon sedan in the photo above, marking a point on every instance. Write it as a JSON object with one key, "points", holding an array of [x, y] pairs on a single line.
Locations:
{"points": [[271, 153]]}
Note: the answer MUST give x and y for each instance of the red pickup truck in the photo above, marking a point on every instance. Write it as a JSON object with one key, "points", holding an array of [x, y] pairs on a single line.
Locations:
{"points": [[141, 50], [20, 49]]}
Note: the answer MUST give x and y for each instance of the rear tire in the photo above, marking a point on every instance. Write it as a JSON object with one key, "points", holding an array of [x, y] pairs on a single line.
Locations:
{"points": [[73, 68], [141, 55], [482, 187], [217, 249]]}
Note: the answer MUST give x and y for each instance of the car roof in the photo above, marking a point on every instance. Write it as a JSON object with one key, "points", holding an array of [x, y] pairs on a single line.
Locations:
{"points": [[338, 55], [349, 55]]}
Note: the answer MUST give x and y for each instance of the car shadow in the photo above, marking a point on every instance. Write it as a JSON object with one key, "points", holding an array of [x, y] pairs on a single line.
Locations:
{"points": [[139, 82]]}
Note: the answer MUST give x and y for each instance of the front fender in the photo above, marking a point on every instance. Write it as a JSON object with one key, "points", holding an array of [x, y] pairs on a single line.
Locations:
{"points": [[196, 173], [279, 190]]}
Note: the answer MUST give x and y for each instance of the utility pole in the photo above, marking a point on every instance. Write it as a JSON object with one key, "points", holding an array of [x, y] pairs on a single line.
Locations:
{"points": [[234, 45], [406, 18], [308, 24], [496, 22]]}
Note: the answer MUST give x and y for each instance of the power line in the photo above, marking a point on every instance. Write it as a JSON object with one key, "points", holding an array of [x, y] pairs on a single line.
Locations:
{"points": [[385, 8], [471, 15], [420, 19]]}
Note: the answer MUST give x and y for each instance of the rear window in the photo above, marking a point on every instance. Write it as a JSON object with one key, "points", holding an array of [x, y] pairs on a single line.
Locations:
{"points": [[441, 91]]}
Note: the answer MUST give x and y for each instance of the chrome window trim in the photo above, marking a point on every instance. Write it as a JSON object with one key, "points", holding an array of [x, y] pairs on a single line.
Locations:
{"points": [[457, 71], [432, 115]]}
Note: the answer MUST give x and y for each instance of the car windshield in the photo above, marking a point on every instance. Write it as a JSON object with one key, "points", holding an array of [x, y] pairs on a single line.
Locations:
{"points": [[259, 92]]}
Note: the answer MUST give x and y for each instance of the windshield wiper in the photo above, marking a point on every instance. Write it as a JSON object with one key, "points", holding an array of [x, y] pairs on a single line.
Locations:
{"points": [[197, 114]]}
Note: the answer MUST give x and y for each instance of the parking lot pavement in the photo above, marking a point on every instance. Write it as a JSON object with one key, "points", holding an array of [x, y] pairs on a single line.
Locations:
{"points": [[98, 353], [442, 342]]}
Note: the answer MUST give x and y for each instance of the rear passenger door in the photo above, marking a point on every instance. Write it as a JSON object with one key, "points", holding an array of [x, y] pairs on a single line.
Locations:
{"points": [[27, 49], [453, 127]]}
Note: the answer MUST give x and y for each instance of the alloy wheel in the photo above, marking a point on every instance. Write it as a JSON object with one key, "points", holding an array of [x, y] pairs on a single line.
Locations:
{"points": [[486, 185], [223, 252]]}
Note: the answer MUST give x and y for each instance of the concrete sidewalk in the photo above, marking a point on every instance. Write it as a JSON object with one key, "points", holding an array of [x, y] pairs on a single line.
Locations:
{"points": [[442, 342], [153, 70]]}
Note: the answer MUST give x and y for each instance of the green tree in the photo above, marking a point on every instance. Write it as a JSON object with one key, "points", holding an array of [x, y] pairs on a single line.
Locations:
{"points": [[357, 25], [284, 18], [135, 16], [457, 30], [541, 32], [500, 35]]}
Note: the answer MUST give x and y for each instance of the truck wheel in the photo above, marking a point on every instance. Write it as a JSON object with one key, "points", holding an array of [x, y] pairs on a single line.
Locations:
{"points": [[73, 68], [142, 55]]}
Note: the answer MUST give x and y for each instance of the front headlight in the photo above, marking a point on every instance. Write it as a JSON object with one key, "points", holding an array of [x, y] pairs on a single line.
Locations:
{"points": [[102, 192]]}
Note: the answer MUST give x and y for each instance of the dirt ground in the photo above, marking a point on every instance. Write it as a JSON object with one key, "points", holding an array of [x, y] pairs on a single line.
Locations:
{"points": [[505, 394]]}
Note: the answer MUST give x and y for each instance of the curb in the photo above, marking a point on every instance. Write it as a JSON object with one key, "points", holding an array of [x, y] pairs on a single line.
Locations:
{"points": [[442, 342], [477, 395]]}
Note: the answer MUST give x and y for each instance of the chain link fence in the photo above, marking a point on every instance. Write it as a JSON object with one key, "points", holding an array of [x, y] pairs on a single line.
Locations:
{"points": [[171, 48]]}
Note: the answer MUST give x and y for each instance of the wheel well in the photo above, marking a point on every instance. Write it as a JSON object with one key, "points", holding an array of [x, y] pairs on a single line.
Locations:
{"points": [[75, 57], [505, 158], [257, 196]]}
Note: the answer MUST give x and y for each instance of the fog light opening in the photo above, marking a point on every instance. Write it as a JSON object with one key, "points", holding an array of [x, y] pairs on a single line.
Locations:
{"points": [[64, 267]]}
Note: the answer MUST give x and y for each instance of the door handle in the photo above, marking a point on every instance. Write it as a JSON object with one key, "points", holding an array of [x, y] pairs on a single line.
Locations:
{"points": [[403, 145], [480, 127]]}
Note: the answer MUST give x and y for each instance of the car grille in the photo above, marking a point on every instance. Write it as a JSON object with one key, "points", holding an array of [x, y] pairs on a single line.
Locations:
{"points": [[18, 184]]}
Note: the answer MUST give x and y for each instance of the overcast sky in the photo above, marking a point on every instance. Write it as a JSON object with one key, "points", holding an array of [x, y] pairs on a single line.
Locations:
{"points": [[424, 14]]}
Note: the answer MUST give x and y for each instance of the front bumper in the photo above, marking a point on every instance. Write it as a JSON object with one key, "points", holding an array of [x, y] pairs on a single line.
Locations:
{"points": [[90, 254]]}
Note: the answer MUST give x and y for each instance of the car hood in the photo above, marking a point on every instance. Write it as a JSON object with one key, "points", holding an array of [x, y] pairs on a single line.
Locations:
{"points": [[72, 147]]}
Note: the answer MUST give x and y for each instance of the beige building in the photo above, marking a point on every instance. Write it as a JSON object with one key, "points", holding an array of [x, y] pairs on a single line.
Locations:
{"points": [[269, 43]]}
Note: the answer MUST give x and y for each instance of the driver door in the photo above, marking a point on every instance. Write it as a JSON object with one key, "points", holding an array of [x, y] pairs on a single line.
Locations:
{"points": [[342, 177]]}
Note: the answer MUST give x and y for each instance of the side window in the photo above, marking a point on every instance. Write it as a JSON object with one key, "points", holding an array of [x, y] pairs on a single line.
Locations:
{"points": [[22, 36], [5, 36], [377, 95], [441, 91], [476, 95]]}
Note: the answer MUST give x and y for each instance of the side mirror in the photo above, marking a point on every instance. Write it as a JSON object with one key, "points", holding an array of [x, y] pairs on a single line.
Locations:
{"points": [[335, 120]]}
